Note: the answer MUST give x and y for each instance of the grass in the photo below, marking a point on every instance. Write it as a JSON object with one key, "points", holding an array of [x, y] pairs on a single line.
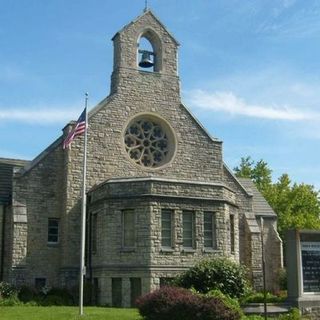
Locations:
{"points": [[66, 313]]}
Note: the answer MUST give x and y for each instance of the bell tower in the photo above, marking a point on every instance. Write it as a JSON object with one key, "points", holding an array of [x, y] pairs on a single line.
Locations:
{"points": [[145, 51]]}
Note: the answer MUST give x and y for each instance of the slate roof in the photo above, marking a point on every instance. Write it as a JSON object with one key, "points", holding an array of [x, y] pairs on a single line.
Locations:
{"points": [[260, 205], [6, 172]]}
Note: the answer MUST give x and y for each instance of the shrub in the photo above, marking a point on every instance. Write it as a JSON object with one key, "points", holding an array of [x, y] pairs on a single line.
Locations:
{"points": [[9, 302], [7, 290], [222, 274], [227, 300], [26, 294], [258, 297], [53, 300], [65, 297], [45, 296], [170, 303], [293, 315]]}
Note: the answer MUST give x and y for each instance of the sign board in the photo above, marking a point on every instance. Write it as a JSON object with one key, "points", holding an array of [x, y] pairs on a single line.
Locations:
{"points": [[310, 258]]}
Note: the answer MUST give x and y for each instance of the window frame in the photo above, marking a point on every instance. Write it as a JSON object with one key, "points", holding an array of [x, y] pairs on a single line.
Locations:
{"points": [[192, 214], [212, 230], [57, 235], [171, 213], [125, 246]]}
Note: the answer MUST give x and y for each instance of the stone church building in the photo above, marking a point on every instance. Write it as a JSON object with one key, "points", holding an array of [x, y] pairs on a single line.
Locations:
{"points": [[160, 197]]}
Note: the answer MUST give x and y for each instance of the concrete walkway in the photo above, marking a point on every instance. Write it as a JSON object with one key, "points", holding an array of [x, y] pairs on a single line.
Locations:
{"points": [[272, 309]]}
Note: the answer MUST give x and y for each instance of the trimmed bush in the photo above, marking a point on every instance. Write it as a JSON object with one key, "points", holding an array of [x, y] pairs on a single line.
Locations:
{"points": [[171, 303], [221, 273]]}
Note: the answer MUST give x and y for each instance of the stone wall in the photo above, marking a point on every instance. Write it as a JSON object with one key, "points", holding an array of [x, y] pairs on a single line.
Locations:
{"points": [[149, 261], [273, 254], [38, 193], [253, 250], [125, 52], [313, 313]]}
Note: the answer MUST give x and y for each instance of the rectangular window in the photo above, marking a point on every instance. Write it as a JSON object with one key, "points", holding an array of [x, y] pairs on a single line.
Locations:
{"points": [[209, 229], [128, 228], [188, 229], [135, 285], [232, 233], [53, 230], [116, 292], [94, 232], [166, 228]]}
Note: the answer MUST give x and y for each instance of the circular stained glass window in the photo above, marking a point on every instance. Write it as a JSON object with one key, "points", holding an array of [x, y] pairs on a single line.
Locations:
{"points": [[149, 142]]}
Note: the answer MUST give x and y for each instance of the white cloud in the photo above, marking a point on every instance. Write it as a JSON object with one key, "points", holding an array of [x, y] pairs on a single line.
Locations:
{"points": [[39, 116], [228, 102], [284, 22]]}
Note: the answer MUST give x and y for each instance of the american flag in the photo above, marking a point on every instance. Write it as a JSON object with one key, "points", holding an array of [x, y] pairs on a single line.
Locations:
{"points": [[79, 129]]}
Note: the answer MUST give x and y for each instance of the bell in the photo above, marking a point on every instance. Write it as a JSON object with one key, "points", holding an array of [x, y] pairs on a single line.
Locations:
{"points": [[146, 61]]}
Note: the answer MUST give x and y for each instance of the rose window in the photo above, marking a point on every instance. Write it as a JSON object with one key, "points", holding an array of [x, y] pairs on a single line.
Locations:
{"points": [[147, 142]]}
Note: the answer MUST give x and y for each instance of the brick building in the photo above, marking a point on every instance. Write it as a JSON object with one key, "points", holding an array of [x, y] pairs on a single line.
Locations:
{"points": [[160, 197]]}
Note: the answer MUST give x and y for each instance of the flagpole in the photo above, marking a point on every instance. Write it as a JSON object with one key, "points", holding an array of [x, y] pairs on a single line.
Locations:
{"points": [[83, 215]]}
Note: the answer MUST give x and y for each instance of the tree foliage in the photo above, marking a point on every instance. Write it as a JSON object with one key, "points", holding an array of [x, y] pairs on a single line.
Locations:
{"points": [[297, 205]]}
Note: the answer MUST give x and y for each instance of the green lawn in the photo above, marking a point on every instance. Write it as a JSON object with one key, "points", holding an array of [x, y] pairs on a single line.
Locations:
{"points": [[66, 313]]}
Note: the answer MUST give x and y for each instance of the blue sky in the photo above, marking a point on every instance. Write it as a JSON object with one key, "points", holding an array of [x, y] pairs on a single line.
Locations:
{"points": [[250, 72]]}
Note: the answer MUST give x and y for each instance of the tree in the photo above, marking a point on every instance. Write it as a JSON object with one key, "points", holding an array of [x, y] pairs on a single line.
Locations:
{"points": [[259, 173], [297, 205]]}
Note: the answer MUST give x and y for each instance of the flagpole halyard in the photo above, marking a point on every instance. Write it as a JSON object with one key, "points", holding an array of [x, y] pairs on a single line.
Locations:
{"points": [[83, 213]]}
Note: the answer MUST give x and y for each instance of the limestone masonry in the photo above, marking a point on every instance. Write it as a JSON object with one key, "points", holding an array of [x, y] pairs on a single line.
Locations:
{"points": [[160, 197]]}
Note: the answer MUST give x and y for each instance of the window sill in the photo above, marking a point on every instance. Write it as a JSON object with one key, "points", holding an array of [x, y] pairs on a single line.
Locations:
{"points": [[166, 250], [188, 250], [210, 250], [53, 244]]}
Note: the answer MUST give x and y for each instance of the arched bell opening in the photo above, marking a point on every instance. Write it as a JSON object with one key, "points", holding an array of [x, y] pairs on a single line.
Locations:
{"points": [[149, 53]]}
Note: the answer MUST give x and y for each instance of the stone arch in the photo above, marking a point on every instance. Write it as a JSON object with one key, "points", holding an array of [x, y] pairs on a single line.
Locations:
{"points": [[155, 41]]}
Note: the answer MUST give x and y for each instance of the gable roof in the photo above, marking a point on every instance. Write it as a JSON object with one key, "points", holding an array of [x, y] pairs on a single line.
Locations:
{"points": [[260, 205], [147, 12]]}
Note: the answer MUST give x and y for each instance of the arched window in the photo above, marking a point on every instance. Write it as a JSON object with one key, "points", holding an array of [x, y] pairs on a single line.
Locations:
{"points": [[149, 52]]}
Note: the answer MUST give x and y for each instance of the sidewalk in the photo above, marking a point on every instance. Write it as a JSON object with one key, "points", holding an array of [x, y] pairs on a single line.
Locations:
{"points": [[272, 308]]}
